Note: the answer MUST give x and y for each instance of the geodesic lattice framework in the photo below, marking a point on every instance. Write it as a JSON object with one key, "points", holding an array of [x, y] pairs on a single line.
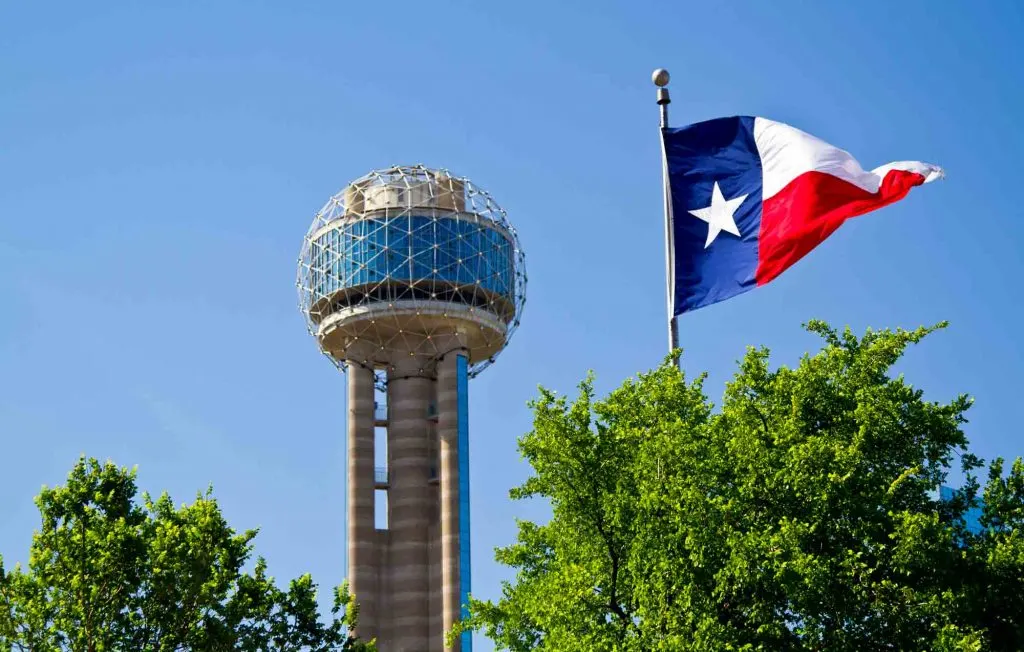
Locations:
{"points": [[407, 262]]}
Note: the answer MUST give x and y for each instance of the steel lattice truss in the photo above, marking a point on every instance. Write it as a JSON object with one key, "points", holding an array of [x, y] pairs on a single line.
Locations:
{"points": [[404, 260]]}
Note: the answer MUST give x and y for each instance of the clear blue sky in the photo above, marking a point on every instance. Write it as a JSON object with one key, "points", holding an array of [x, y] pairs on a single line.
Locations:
{"points": [[159, 165]]}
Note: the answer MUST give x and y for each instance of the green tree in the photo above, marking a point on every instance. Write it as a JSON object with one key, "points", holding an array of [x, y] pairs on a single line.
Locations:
{"points": [[108, 572], [802, 515]]}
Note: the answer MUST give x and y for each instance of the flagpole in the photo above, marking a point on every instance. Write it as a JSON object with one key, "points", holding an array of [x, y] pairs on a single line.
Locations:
{"points": [[660, 78]]}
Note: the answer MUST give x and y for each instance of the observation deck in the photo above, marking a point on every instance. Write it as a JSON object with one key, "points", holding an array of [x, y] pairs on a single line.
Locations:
{"points": [[411, 262]]}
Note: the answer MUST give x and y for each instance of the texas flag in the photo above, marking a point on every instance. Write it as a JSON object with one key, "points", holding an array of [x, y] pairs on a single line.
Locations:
{"points": [[749, 197]]}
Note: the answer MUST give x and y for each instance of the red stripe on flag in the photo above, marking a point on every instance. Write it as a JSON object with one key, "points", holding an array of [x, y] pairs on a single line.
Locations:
{"points": [[810, 208]]}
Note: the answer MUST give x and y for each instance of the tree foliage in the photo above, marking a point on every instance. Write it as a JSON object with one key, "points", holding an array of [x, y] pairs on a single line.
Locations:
{"points": [[108, 572], [802, 515]]}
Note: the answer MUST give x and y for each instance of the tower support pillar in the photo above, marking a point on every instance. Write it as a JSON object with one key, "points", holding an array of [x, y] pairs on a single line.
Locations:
{"points": [[362, 539], [409, 507], [448, 435]]}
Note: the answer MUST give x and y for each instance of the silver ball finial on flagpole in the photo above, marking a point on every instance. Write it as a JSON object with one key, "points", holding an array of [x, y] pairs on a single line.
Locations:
{"points": [[660, 78]]}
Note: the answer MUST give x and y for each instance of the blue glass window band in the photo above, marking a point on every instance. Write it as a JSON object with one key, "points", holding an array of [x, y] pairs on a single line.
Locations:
{"points": [[414, 257]]}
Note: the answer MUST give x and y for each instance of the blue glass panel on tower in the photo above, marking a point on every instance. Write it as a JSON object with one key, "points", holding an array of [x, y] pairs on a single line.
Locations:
{"points": [[411, 262], [420, 252]]}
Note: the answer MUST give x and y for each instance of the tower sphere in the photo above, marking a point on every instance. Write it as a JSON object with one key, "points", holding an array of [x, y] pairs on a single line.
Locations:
{"points": [[406, 264], [660, 77]]}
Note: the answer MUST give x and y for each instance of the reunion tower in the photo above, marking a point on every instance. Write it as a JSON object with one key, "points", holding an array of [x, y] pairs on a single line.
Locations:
{"points": [[412, 281]]}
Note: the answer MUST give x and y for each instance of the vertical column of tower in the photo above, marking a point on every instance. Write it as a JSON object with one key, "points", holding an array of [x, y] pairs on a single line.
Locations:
{"points": [[409, 508], [362, 552], [465, 572], [448, 435]]}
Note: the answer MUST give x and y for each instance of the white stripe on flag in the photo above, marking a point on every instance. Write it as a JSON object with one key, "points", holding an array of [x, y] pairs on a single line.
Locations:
{"points": [[786, 153]]}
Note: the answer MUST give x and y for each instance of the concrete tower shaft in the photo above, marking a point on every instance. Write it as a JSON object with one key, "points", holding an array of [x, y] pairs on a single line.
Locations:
{"points": [[411, 504], [448, 444], [410, 579], [363, 549]]}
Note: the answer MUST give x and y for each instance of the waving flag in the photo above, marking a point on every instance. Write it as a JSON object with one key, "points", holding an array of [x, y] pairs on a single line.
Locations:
{"points": [[749, 197]]}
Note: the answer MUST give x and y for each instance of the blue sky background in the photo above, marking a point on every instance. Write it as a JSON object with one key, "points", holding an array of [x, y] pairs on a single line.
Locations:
{"points": [[160, 162]]}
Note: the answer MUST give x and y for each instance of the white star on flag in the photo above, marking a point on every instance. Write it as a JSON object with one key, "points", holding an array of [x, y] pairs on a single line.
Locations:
{"points": [[719, 215]]}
